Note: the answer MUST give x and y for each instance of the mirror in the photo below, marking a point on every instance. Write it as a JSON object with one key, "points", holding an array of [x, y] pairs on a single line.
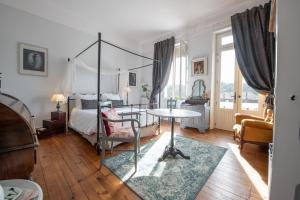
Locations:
{"points": [[198, 89]]}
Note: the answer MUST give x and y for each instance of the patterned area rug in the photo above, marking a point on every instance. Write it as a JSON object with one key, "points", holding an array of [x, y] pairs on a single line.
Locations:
{"points": [[171, 179]]}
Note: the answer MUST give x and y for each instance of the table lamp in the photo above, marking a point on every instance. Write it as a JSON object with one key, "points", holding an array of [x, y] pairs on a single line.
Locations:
{"points": [[58, 98]]}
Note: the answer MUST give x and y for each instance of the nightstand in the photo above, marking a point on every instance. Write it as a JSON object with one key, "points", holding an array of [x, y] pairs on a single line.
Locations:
{"points": [[57, 124]]}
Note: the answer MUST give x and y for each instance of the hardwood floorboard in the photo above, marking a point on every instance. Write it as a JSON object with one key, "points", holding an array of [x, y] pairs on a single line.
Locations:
{"points": [[67, 168]]}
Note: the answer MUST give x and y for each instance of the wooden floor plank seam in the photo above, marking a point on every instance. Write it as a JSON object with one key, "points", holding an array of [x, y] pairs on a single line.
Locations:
{"points": [[77, 164]]}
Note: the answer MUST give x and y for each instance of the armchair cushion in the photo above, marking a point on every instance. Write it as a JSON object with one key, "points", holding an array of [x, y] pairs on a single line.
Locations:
{"points": [[239, 117], [257, 124]]}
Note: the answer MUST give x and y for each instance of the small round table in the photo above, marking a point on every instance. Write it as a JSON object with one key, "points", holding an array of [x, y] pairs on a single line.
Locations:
{"points": [[174, 113]]}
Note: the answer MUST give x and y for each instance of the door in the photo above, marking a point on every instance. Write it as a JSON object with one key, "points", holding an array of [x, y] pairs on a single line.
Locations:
{"points": [[232, 94]]}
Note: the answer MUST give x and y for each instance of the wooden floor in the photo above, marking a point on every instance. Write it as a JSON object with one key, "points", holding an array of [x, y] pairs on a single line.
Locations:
{"points": [[67, 168]]}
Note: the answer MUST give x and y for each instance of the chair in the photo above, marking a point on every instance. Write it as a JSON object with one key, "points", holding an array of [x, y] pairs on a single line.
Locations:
{"points": [[120, 134], [171, 103], [253, 129]]}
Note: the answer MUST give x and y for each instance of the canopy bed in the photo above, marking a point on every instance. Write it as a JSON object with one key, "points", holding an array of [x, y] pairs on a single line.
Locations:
{"points": [[93, 121]]}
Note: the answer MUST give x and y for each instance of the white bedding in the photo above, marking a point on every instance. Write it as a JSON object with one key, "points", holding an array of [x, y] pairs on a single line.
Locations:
{"points": [[85, 121]]}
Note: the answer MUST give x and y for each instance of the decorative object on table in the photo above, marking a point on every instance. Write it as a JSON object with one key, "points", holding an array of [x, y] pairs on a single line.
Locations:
{"points": [[21, 189], [170, 179], [18, 141], [146, 91], [59, 98], [57, 124], [199, 66], [33, 60], [132, 79]]}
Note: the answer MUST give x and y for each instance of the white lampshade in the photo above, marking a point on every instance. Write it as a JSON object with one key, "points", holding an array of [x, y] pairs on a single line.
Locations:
{"points": [[58, 98]]}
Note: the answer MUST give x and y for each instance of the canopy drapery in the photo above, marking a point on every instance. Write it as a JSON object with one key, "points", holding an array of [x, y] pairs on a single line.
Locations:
{"points": [[71, 74], [255, 49]]}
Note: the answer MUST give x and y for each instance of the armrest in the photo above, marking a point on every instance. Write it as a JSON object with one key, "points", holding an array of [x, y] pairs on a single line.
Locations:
{"points": [[239, 117], [136, 133], [257, 124]]}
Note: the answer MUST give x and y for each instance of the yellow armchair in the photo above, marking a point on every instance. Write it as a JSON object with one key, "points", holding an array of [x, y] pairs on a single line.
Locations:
{"points": [[253, 129]]}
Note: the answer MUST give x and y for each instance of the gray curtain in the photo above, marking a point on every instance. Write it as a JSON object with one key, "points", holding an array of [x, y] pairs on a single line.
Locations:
{"points": [[255, 49], [163, 51]]}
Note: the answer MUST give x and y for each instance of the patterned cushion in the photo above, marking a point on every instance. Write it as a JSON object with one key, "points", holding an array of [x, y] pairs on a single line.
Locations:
{"points": [[123, 133], [111, 127]]}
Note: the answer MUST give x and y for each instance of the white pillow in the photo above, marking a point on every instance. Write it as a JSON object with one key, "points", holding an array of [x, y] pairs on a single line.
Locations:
{"points": [[110, 96]]}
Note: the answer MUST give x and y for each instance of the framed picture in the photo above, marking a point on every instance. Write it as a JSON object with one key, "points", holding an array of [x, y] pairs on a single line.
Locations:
{"points": [[33, 60], [199, 66], [132, 79]]}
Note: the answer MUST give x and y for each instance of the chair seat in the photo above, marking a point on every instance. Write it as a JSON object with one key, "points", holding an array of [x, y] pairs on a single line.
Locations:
{"points": [[123, 132]]}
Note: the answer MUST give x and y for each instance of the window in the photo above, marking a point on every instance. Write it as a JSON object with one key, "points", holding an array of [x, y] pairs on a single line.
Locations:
{"points": [[177, 83]]}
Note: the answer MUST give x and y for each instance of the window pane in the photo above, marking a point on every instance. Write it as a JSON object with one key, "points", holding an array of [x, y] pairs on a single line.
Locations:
{"points": [[168, 91], [227, 79], [250, 98], [177, 78], [227, 40], [183, 76]]}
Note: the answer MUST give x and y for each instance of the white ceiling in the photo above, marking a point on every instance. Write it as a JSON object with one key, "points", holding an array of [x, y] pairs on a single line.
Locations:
{"points": [[138, 20]]}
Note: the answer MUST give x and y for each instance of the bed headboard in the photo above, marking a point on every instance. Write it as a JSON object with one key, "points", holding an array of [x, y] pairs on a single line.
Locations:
{"points": [[72, 102]]}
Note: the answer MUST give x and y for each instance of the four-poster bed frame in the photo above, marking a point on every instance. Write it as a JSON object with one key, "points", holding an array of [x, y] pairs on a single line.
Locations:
{"points": [[99, 42]]}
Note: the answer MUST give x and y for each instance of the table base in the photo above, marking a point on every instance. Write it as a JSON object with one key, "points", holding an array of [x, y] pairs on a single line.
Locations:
{"points": [[172, 151]]}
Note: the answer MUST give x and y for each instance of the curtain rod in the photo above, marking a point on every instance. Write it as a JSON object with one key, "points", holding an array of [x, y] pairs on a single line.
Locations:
{"points": [[116, 46]]}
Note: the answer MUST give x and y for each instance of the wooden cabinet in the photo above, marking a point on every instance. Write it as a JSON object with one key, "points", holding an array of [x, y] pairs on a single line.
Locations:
{"points": [[200, 123], [57, 124], [18, 141]]}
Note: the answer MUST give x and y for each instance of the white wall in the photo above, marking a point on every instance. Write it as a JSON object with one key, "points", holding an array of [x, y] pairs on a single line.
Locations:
{"points": [[286, 159], [62, 42]]}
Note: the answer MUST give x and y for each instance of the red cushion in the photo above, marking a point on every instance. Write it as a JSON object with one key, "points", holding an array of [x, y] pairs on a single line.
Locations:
{"points": [[107, 128], [111, 127]]}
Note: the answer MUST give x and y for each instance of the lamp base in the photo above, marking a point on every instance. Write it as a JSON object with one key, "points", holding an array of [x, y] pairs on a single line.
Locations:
{"points": [[58, 107]]}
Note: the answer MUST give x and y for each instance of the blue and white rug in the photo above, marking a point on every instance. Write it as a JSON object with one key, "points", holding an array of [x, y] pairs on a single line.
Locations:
{"points": [[171, 179]]}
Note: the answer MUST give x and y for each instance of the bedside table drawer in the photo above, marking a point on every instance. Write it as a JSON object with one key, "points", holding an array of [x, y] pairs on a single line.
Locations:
{"points": [[58, 116], [53, 124]]}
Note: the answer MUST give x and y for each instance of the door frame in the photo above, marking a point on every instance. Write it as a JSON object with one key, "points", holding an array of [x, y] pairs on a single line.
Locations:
{"points": [[214, 75], [214, 78]]}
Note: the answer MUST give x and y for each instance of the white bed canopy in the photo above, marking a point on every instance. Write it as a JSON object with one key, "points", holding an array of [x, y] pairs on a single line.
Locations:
{"points": [[71, 74]]}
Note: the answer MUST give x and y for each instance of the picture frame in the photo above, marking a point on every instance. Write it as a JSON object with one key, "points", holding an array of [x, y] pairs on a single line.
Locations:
{"points": [[132, 79], [33, 60], [199, 66]]}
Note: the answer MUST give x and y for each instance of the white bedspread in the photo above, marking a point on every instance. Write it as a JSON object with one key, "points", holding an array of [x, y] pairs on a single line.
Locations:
{"points": [[85, 121]]}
